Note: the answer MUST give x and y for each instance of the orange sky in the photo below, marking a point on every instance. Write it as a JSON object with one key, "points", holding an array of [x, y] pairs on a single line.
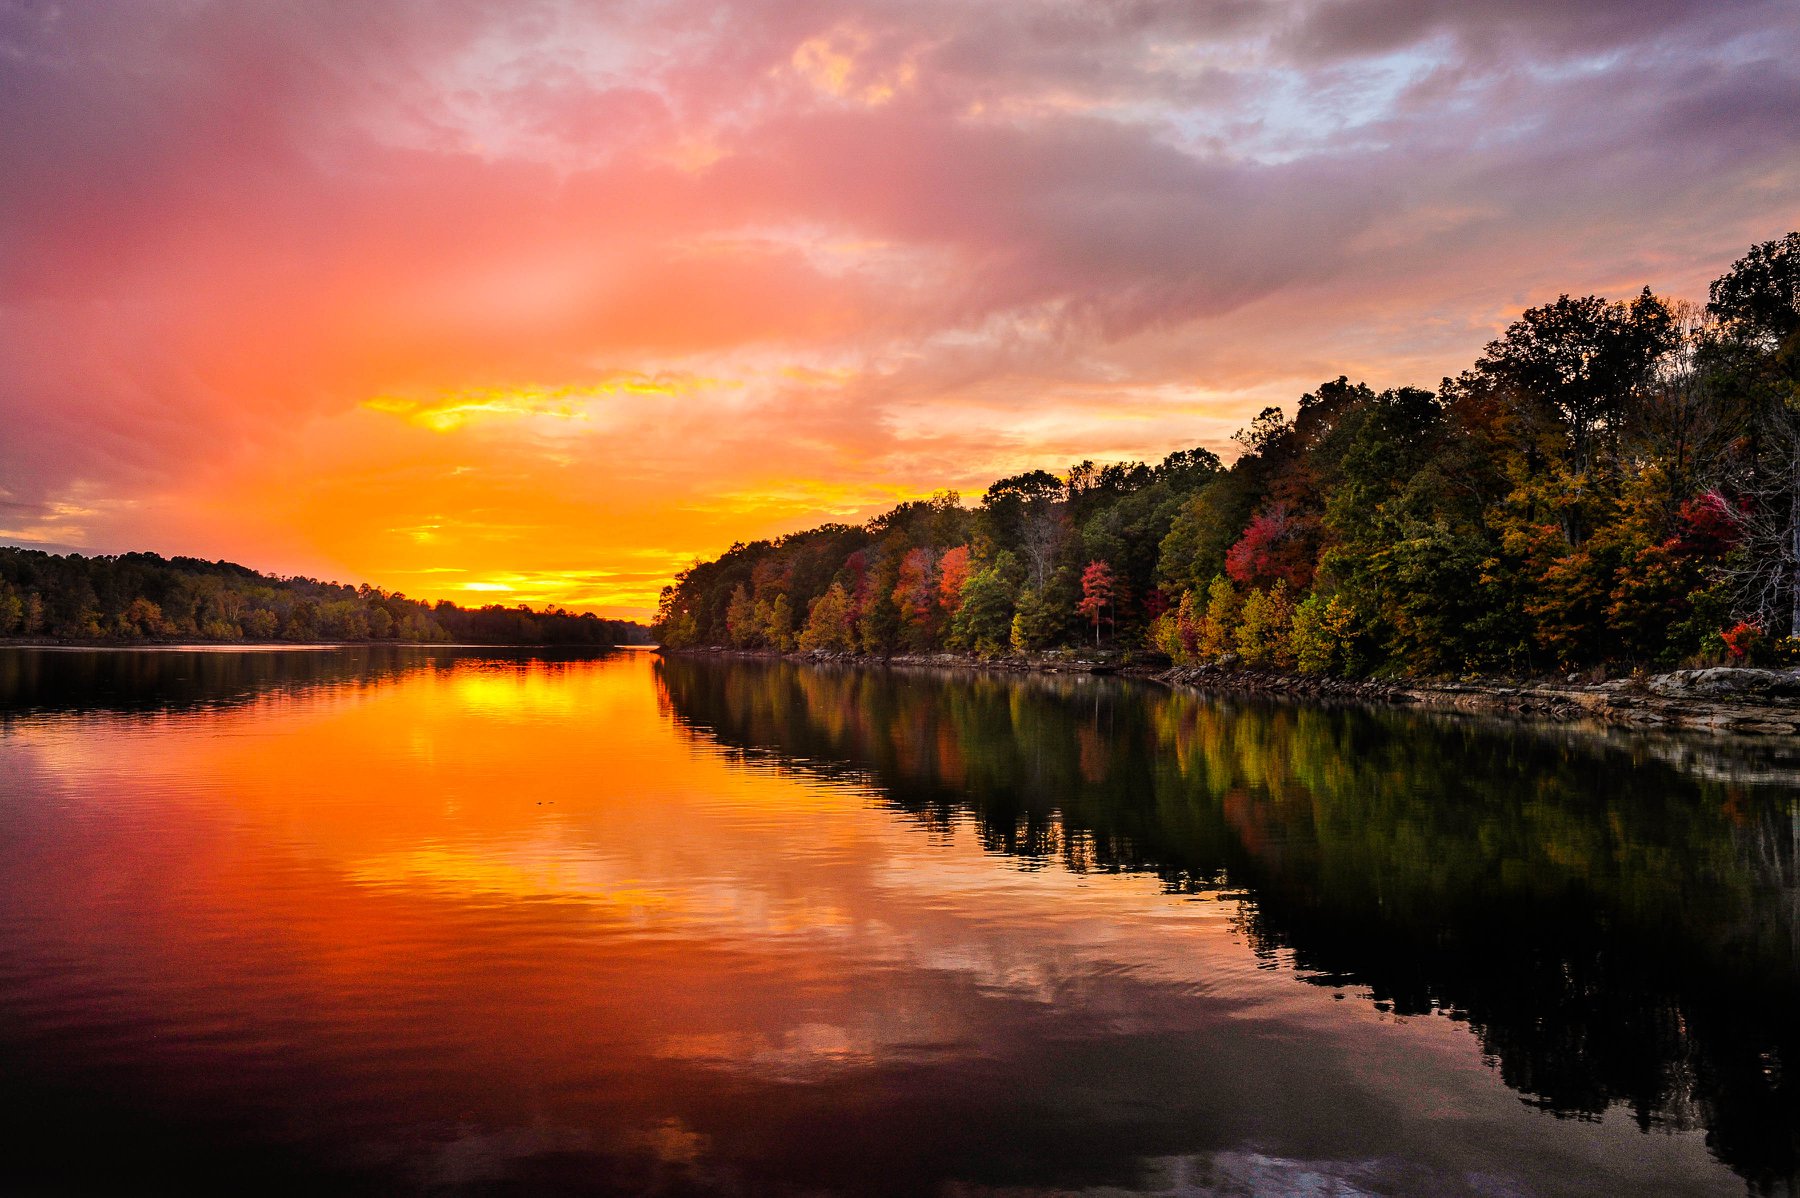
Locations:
{"points": [[541, 302]]}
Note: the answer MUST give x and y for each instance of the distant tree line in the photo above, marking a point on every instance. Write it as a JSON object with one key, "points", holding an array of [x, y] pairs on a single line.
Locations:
{"points": [[141, 596], [1612, 482]]}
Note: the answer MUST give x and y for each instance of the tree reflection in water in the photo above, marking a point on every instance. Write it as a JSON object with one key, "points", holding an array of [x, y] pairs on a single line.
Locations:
{"points": [[1615, 916]]}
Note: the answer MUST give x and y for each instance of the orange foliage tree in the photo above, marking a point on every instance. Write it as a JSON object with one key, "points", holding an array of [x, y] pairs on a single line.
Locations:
{"points": [[953, 573]]}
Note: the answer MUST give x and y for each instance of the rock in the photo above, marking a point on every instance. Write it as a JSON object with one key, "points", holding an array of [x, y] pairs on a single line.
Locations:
{"points": [[1728, 682], [1764, 727]]}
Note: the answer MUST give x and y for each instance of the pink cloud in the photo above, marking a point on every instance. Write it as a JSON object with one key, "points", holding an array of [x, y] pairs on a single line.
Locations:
{"points": [[225, 228]]}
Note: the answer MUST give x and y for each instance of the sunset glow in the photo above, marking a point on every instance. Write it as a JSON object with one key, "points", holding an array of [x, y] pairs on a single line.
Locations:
{"points": [[540, 302]]}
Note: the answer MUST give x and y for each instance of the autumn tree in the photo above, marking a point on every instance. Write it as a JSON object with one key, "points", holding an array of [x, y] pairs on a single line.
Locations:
{"points": [[830, 622], [915, 594], [779, 628], [1559, 502], [953, 575], [1097, 593], [741, 623], [1264, 626], [1278, 545]]}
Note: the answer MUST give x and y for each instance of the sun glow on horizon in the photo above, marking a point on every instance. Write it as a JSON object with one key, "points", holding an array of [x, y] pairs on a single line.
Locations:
{"points": [[568, 299]]}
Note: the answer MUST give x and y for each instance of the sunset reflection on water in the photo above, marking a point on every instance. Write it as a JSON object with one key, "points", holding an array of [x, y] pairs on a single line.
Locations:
{"points": [[464, 921]]}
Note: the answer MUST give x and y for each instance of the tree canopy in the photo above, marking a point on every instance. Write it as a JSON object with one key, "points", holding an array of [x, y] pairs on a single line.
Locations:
{"points": [[1611, 483]]}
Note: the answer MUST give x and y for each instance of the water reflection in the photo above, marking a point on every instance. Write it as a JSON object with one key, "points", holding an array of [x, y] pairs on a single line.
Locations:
{"points": [[460, 922], [1617, 917], [38, 681]]}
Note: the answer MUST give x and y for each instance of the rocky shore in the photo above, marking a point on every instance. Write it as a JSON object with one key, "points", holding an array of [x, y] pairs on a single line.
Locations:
{"points": [[1718, 699], [1734, 700]]}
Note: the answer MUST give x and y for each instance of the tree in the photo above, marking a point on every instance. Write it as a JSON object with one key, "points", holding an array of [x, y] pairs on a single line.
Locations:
{"points": [[1669, 595], [1581, 361], [1278, 546], [1023, 513], [984, 614], [1322, 635], [1097, 593], [12, 610], [1268, 427], [953, 575], [916, 593], [878, 626], [141, 618], [1220, 619], [1759, 297], [830, 624], [1204, 529], [741, 622], [1688, 416], [779, 630], [1263, 634], [1189, 469], [1036, 623], [1758, 302]]}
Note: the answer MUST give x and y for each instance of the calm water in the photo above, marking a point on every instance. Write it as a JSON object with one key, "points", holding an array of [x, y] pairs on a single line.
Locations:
{"points": [[437, 921]]}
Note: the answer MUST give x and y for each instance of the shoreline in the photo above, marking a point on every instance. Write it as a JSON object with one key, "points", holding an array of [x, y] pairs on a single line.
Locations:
{"points": [[1734, 700], [180, 644]]}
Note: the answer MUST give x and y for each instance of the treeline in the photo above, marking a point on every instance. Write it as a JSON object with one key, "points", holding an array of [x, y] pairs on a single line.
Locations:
{"points": [[141, 596], [1613, 482]]}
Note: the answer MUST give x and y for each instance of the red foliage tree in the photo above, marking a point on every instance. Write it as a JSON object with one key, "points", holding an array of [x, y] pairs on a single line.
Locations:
{"points": [[857, 567], [1098, 590], [1276, 547], [1706, 527]]}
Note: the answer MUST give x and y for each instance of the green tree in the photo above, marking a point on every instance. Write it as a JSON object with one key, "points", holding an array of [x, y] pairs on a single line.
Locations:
{"points": [[779, 631], [1036, 623], [1582, 361], [984, 617], [1323, 635]]}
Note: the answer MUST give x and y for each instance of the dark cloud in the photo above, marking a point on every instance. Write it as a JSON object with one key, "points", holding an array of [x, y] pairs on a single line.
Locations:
{"points": [[1549, 29]]}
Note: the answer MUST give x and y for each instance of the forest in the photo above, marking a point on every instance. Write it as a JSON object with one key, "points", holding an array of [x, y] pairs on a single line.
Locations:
{"points": [[1613, 484], [144, 597]]}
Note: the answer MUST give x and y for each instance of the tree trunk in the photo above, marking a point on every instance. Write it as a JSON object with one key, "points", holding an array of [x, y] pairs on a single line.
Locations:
{"points": [[1794, 537]]}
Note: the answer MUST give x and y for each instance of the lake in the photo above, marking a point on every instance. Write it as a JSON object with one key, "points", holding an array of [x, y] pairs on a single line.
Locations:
{"points": [[455, 921]]}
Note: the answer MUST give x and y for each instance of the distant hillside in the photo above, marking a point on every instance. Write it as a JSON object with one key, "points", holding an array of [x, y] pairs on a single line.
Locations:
{"points": [[145, 597]]}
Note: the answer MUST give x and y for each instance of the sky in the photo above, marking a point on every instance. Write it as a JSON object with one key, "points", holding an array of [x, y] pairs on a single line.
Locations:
{"points": [[540, 301]]}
